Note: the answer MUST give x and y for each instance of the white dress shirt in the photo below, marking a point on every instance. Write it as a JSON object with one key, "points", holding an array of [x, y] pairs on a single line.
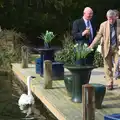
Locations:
{"points": [[91, 29]]}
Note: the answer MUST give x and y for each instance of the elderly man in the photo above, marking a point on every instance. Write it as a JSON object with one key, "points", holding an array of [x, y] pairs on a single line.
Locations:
{"points": [[117, 14], [84, 31], [110, 31]]}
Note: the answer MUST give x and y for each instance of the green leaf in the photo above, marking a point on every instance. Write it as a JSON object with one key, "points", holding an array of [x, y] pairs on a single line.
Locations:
{"points": [[48, 36], [82, 50]]}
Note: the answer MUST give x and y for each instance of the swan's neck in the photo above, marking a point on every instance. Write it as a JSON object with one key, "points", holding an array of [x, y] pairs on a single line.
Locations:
{"points": [[28, 85]]}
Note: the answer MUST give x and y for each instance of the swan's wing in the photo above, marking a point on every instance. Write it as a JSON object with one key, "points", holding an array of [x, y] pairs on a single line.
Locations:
{"points": [[31, 99], [23, 102], [23, 99], [26, 99]]}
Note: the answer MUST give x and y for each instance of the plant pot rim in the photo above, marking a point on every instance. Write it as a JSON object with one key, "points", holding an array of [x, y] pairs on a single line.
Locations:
{"points": [[80, 58], [39, 49], [74, 66]]}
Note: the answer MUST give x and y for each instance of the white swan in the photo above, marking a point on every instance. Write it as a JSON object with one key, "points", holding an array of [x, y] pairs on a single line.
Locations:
{"points": [[27, 100]]}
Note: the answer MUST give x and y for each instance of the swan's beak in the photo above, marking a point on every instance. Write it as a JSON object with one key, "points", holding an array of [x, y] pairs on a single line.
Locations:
{"points": [[33, 77]]}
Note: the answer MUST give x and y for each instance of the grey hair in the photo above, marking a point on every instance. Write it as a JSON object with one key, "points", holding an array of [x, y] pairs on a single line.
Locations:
{"points": [[116, 12], [111, 13]]}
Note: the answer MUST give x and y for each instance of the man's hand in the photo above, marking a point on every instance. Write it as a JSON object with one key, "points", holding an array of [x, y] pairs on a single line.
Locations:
{"points": [[90, 47], [86, 32]]}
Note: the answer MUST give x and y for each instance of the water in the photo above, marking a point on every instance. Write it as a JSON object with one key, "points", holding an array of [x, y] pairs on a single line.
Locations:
{"points": [[10, 92]]}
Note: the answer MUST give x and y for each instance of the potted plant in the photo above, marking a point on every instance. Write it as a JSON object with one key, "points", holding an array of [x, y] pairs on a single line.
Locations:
{"points": [[47, 37], [80, 73], [70, 55], [81, 51]]}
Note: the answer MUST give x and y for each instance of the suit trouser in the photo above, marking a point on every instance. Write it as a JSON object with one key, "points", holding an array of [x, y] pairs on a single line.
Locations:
{"points": [[113, 54]]}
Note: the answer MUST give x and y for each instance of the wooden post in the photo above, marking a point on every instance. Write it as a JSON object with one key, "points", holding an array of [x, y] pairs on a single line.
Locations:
{"points": [[24, 57], [88, 99], [48, 74], [10, 74], [10, 78]]}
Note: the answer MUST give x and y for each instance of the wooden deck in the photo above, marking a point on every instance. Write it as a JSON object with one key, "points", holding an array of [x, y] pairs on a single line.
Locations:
{"points": [[57, 100]]}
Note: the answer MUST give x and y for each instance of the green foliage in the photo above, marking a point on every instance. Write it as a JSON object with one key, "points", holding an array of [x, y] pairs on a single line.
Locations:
{"points": [[4, 59], [98, 59], [10, 47], [66, 55], [32, 57], [47, 37], [82, 50], [35, 16]]}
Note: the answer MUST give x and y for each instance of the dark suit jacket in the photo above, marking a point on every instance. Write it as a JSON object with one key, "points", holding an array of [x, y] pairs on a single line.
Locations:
{"points": [[77, 29]]}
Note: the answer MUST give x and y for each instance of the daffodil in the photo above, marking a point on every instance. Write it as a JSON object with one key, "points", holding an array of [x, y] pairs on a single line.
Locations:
{"points": [[82, 50], [48, 36]]}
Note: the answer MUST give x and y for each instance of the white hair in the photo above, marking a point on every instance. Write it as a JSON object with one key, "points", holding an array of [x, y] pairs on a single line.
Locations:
{"points": [[111, 13], [86, 9]]}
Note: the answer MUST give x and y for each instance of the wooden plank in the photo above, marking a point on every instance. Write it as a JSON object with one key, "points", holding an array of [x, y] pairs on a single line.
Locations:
{"points": [[51, 99], [57, 100]]}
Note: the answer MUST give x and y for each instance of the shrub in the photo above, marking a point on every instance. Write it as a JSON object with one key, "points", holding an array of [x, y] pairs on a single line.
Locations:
{"points": [[98, 59], [66, 55], [10, 47]]}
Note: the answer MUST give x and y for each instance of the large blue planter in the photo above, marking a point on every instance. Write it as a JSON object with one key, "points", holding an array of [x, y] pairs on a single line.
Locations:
{"points": [[112, 117], [38, 64], [58, 71], [48, 55]]}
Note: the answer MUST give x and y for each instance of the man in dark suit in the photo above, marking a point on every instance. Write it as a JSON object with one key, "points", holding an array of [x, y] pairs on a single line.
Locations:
{"points": [[84, 31]]}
